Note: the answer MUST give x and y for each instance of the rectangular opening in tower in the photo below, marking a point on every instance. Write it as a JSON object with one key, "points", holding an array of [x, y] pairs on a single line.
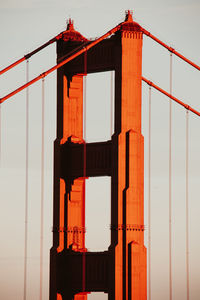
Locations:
{"points": [[98, 191], [97, 296], [99, 106], [99, 127]]}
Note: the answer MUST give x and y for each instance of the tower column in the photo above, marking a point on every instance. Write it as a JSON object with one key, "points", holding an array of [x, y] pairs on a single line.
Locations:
{"points": [[119, 271], [128, 173]]}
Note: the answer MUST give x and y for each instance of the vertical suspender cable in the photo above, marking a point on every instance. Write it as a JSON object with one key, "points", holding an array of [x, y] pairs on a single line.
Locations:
{"points": [[84, 106], [149, 201], [170, 184], [111, 103], [42, 193], [84, 162], [0, 132], [26, 182], [187, 208]]}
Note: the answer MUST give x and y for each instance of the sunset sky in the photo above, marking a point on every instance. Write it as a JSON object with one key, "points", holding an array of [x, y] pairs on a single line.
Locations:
{"points": [[26, 24]]}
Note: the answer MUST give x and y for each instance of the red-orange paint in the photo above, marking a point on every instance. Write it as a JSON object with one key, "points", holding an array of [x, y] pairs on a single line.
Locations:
{"points": [[172, 50], [28, 55], [120, 271], [171, 96]]}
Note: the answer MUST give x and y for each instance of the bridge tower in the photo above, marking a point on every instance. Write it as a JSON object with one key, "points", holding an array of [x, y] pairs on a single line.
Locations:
{"points": [[120, 270]]}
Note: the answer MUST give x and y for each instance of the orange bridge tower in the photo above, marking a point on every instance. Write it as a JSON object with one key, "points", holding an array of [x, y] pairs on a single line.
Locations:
{"points": [[120, 270]]}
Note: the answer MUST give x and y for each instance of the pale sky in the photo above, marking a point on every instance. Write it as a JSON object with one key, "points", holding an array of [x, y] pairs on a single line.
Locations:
{"points": [[24, 26]]}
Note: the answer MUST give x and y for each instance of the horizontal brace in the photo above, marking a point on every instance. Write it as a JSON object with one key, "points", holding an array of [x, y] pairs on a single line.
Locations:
{"points": [[91, 160], [150, 83], [73, 51]]}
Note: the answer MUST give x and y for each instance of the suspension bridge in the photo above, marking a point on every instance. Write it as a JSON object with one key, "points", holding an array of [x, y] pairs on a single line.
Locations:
{"points": [[83, 57]]}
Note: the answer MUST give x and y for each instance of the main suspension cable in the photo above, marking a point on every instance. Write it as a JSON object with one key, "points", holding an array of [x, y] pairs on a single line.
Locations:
{"points": [[172, 50], [170, 181], [0, 132], [79, 53], [26, 182], [187, 206], [62, 63], [28, 55], [54, 39], [42, 192], [149, 200], [171, 97]]}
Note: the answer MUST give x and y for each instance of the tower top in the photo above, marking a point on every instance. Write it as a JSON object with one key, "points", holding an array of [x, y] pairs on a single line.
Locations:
{"points": [[129, 16], [129, 24], [71, 34], [70, 24]]}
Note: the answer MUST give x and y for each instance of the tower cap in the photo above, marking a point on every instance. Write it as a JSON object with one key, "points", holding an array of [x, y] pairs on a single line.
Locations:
{"points": [[71, 34], [129, 24], [129, 16], [70, 24]]}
